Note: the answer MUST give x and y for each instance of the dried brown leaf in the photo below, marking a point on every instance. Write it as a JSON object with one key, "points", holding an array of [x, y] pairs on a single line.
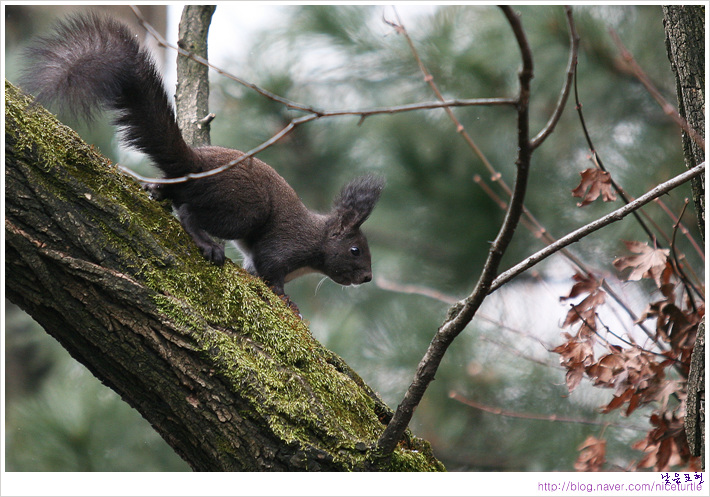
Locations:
{"points": [[592, 456], [665, 446], [633, 404], [673, 325], [586, 283], [593, 183], [605, 370], [586, 310], [650, 263], [573, 378], [575, 352], [575, 356], [618, 401]]}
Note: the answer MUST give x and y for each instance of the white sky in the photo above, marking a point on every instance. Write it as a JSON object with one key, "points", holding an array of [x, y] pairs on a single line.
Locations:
{"points": [[235, 22]]}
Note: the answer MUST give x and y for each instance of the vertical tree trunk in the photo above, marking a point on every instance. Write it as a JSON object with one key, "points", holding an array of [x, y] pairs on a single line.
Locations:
{"points": [[193, 87], [685, 41]]}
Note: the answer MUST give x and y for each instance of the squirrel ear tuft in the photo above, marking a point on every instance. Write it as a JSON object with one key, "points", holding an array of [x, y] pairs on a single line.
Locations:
{"points": [[356, 201]]}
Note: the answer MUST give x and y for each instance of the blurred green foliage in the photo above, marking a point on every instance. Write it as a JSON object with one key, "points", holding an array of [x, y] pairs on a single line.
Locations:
{"points": [[432, 228]]}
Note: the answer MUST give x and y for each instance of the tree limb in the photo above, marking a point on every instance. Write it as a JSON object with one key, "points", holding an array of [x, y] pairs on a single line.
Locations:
{"points": [[612, 217], [219, 366]]}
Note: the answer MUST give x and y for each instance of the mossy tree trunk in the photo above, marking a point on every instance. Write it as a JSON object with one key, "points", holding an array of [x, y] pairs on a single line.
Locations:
{"points": [[685, 41], [219, 366]]}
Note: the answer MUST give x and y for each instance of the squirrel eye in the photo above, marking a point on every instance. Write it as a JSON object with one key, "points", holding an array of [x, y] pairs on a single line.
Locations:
{"points": [[355, 251]]}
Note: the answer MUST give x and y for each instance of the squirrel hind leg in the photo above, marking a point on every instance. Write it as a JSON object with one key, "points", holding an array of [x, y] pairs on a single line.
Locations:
{"points": [[211, 250]]}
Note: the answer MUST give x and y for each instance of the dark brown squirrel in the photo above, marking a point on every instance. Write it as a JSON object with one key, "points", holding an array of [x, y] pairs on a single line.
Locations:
{"points": [[90, 63]]}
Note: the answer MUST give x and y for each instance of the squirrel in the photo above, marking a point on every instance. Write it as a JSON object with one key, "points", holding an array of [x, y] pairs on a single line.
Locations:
{"points": [[91, 63]]}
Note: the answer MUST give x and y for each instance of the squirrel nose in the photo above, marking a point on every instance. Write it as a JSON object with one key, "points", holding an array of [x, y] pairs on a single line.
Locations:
{"points": [[367, 277]]}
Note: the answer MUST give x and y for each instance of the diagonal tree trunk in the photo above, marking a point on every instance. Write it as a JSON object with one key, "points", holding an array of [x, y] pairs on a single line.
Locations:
{"points": [[685, 41], [220, 367]]}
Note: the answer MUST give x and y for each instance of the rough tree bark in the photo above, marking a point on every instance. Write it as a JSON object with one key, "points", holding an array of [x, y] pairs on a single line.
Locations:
{"points": [[685, 41], [193, 88], [220, 367]]}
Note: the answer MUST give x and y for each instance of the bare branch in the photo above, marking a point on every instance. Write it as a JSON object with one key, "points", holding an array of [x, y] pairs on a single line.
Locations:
{"points": [[684, 230], [669, 109], [461, 313], [614, 216], [429, 79], [679, 268], [564, 94], [314, 113], [228, 165], [597, 160], [162, 41], [443, 104], [540, 417]]}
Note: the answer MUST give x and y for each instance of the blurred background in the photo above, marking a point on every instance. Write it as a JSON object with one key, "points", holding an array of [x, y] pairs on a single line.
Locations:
{"points": [[431, 230]]}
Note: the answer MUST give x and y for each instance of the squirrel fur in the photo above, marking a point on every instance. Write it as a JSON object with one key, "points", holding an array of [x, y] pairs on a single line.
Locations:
{"points": [[92, 63]]}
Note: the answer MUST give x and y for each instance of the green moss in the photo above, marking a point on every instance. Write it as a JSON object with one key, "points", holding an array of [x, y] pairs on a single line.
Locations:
{"points": [[419, 458], [300, 395]]}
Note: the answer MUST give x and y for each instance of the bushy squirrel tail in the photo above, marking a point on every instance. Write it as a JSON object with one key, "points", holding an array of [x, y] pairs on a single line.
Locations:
{"points": [[90, 63]]}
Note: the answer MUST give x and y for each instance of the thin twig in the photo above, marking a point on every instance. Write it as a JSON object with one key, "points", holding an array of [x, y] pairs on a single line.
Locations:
{"points": [[681, 274], [598, 162], [313, 113], [668, 109], [461, 313], [608, 330], [450, 300], [606, 340], [415, 290], [564, 94], [510, 349], [539, 417], [228, 165], [683, 229], [580, 233], [677, 363], [429, 79]]}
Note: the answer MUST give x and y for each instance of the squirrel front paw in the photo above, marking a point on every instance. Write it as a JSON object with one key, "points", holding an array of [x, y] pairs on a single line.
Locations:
{"points": [[214, 253], [155, 190], [291, 305]]}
